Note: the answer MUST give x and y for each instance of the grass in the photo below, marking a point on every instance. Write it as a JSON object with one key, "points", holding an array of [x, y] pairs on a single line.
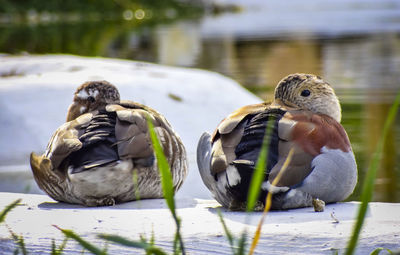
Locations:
{"points": [[259, 172], [85, 244], [238, 245], [167, 186], [268, 203], [368, 186], [60, 249], [8, 208], [19, 241], [148, 247]]}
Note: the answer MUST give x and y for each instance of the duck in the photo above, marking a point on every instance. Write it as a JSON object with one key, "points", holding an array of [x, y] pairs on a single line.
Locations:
{"points": [[304, 133], [102, 155]]}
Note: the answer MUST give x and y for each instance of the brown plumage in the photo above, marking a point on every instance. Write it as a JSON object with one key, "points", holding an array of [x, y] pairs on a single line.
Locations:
{"points": [[305, 116], [103, 154]]}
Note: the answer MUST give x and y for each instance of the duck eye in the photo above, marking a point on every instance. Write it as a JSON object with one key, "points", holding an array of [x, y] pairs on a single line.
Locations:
{"points": [[305, 93], [91, 99]]}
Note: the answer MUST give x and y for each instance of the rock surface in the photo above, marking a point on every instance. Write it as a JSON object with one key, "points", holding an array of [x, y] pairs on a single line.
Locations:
{"points": [[300, 231]]}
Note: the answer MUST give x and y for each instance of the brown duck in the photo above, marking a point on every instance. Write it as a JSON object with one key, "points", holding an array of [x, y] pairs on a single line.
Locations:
{"points": [[103, 154], [305, 119]]}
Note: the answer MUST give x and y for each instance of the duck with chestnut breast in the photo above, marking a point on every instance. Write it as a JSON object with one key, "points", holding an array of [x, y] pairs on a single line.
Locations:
{"points": [[305, 120], [103, 154]]}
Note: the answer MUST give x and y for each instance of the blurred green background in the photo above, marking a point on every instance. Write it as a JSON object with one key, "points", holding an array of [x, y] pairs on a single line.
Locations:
{"points": [[354, 45]]}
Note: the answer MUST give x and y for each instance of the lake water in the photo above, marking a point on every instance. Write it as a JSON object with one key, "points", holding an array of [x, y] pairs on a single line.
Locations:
{"points": [[354, 45]]}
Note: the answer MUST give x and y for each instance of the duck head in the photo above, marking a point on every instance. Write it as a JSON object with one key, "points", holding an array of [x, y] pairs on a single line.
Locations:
{"points": [[308, 92], [90, 96]]}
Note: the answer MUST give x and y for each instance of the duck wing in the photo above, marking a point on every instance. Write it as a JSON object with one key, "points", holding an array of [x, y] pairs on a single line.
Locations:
{"points": [[306, 134], [65, 139], [227, 159], [218, 154], [133, 138], [119, 132], [322, 163], [49, 169], [228, 135]]}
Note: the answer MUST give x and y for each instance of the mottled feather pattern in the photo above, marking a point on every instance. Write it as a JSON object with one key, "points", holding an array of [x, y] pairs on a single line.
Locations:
{"points": [[238, 151], [93, 157], [306, 116], [287, 83]]}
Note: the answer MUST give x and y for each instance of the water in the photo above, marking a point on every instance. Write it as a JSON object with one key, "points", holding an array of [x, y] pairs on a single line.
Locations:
{"points": [[354, 45]]}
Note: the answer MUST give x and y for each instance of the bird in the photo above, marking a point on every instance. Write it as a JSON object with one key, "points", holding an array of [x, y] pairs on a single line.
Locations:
{"points": [[303, 121], [102, 155]]}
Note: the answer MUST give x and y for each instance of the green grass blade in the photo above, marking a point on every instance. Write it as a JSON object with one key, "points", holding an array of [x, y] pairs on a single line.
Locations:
{"points": [[136, 184], [378, 250], [153, 237], [228, 234], [181, 247], [176, 244], [259, 171], [166, 181], [53, 247], [19, 240], [60, 249], [21, 243], [125, 242], [8, 208], [85, 244], [62, 246], [242, 244], [268, 203], [155, 250], [165, 172], [368, 186], [149, 248]]}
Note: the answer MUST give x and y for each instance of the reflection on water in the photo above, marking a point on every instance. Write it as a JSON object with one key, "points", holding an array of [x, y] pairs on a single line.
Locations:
{"points": [[364, 69]]}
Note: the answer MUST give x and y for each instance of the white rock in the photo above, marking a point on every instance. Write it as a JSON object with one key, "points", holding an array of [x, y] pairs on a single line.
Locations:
{"points": [[299, 231]]}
